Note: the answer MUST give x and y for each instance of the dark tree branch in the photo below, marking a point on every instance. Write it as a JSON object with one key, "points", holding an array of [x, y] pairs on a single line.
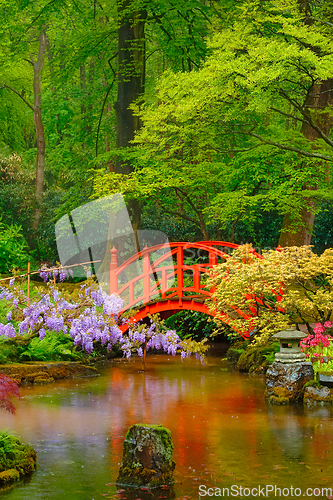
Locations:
{"points": [[309, 120], [183, 216], [290, 116], [29, 61], [101, 115], [17, 93], [307, 154], [41, 12]]}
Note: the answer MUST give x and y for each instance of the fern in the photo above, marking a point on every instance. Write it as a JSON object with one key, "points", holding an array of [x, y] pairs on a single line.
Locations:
{"points": [[53, 347]]}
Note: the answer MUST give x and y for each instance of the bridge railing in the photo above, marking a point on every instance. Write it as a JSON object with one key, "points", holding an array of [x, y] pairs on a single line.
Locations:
{"points": [[166, 276]]}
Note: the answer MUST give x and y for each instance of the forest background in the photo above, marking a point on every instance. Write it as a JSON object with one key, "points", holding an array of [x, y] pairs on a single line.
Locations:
{"points": [[212, 117]]}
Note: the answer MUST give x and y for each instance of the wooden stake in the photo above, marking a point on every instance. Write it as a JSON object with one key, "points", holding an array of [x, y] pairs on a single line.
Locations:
{"points": [[144, 356], [28, 282]]}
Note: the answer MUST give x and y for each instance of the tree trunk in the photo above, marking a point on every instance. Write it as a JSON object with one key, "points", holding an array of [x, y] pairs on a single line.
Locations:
{"points": [[131, 80], [319, 98], [40, 162]]}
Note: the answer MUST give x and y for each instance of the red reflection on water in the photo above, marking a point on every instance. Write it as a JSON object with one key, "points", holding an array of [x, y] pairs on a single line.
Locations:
{"points": [[222, 430], [196, 409]]}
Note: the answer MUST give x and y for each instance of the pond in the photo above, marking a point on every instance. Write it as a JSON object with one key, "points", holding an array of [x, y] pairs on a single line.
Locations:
{"points": [[225, 435]]}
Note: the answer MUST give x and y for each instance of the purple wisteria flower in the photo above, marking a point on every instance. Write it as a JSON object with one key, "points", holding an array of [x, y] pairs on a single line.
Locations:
{"points": [[62, 274], [42, 333], [45, 275], [7, 330], [89, 317]]}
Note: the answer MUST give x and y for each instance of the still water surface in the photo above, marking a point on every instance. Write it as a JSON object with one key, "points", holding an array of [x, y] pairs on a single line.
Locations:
{"points": [[224, 432]]}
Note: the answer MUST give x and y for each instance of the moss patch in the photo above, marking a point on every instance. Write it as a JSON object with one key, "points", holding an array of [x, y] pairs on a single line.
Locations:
{"points": [[45, 373], [312, 383], [317, 395], [234, 353], [278, 395], [147, 457], [16, 459], [9, 476], [252, 359]]}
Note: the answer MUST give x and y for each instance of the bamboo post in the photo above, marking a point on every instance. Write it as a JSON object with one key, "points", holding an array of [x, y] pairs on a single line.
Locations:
{"points": [[28, 283]]}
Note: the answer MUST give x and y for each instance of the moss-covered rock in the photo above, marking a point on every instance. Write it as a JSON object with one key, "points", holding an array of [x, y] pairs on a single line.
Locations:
{"points": [[279, 395], [16, 459], [9, 476], [45, 373], [312, 383], [288, 376], [234, 353], [254, 359], [147, 457], [251, 359], [317, 395]]}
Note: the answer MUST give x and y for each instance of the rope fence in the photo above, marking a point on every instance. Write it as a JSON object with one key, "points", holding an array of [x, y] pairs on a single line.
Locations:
{"points": [[48, 269], [45, 269]]}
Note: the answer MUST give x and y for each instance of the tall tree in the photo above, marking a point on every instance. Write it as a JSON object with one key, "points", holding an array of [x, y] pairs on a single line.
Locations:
{"points": [[39, 127], [131, 81], [249, 114], [37, 64], [317, 123]]}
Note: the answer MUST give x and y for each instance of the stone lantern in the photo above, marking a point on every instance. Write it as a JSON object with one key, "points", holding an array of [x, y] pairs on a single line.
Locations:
{"points": [[290, 351]]}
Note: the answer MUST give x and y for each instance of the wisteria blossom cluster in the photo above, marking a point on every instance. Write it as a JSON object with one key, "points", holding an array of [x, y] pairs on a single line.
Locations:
{"points": [[313, 345], [153, 337], [88, 316], [61, 274]]}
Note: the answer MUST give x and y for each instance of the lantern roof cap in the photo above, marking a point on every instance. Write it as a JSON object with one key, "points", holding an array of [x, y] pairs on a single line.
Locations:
{"points": [[290, 334]]}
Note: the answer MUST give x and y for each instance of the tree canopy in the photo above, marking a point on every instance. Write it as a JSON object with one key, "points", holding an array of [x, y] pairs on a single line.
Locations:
{"points": [[212, 117]]}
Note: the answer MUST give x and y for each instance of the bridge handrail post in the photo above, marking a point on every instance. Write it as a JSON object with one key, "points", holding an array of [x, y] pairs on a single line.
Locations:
{"points": [[212, 258], [113, 268], [146, 275], [180, 277]]}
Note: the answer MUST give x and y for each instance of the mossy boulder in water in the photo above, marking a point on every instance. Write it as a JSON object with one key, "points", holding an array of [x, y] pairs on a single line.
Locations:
{"points": [[317, 395], [16, 459], [291, 377], [147, 457]]}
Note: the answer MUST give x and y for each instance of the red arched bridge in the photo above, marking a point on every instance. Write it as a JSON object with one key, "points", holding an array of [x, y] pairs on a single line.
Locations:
{"points": [[168, 278]]}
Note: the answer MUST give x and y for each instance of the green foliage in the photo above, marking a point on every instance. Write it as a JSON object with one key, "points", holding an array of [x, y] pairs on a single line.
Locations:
{"points": [[191, 324], [9, 444], [222, 153], [262, 296], [226, 143], [250, 357], [10, 352], [269, 352], [54, 347], [13, 248]]}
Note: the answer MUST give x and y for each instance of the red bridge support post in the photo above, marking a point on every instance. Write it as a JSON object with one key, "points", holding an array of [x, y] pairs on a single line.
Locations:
{"points": [[113, 268], [180, 277]]}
